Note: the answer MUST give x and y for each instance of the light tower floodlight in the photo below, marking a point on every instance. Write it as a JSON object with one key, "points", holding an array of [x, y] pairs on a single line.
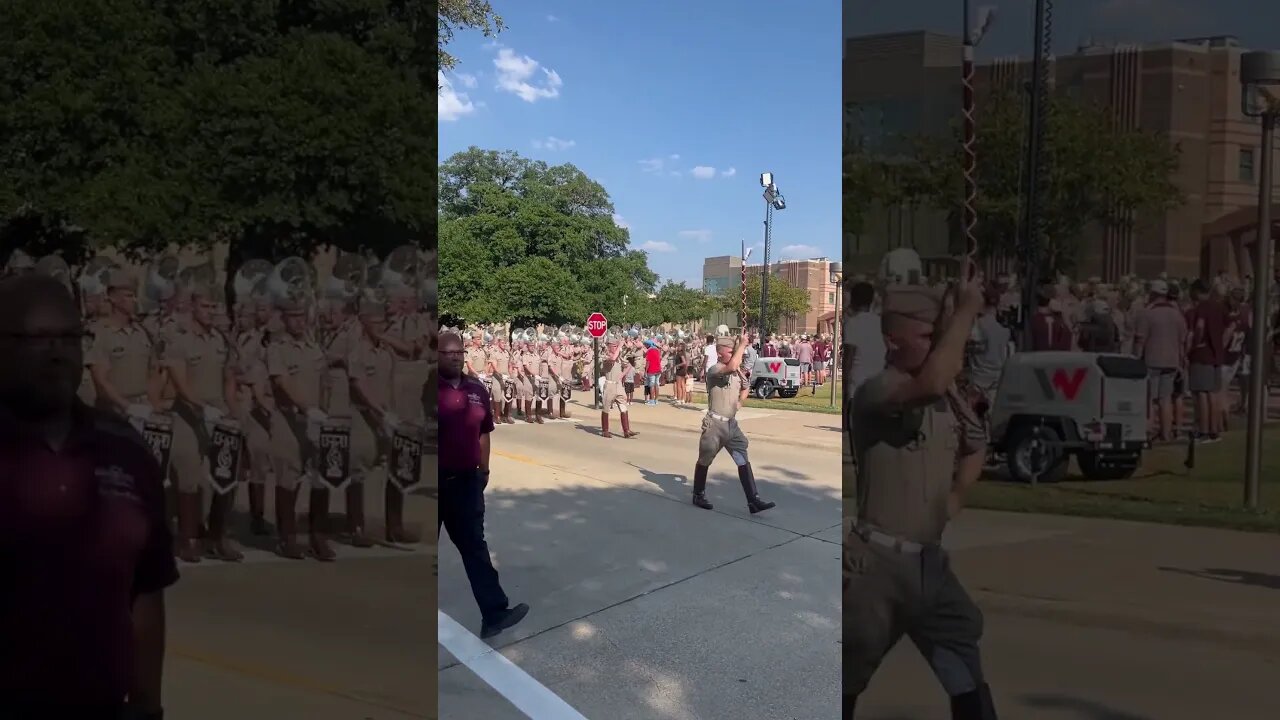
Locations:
{"points": [[766, 179], [986, 18]]}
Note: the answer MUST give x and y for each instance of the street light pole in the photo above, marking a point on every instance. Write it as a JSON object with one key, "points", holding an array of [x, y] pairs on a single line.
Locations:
{"points": [[1260, 79], [1035, 144], [773, 200]]}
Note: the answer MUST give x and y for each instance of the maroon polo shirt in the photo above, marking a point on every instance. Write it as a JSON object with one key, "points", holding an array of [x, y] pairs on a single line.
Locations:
{"points": [[82, 534], [465, 414]]}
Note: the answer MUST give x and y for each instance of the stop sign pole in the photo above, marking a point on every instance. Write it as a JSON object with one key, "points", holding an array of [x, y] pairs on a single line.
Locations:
{"points": [[597, 326]]}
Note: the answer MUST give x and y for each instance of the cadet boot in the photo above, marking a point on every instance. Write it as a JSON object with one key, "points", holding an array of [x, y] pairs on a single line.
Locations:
{"points": [[171, 514], [976, 705], [287, 525], [258, 509], [355, 516], [396, 533], [506, 413], [528, 412], [217, 545], [564, 414], [626, 426], [318, 526], [604, 425], [754, 502], [537, 413], [189, 527], [700, 487]]}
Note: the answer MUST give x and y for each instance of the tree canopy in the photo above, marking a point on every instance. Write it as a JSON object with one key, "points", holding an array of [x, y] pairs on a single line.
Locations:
{"points": [[277, 126], [457, 15], [524, 241], [1096, 173], [785, 300]]}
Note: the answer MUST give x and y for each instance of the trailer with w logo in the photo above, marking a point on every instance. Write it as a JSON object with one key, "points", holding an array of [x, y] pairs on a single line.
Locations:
{"points": [[1050, 406], [775, 375]]}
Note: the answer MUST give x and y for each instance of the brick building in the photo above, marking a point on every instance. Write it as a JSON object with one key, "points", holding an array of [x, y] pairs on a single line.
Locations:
{"points": [[813, 275]]}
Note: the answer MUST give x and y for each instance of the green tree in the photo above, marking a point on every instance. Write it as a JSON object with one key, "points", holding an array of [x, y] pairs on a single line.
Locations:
{"points": [[785, 300], [457, 15], [679, 303], [1097, 174], [498, 211], [278, 127]]}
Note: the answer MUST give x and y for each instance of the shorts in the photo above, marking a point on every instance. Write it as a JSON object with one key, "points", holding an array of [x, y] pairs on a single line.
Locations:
{"points": [[1204, 378], [1160, 383], [652, 380], [819, 365], [630, 387], [806, 367], [1229, 373]]}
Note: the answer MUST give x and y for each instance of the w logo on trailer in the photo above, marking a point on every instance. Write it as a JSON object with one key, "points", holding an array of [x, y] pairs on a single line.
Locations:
{"points": [[1062, 382]]}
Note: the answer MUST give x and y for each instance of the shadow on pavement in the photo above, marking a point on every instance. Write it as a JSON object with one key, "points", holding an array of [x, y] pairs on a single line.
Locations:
{"points": [[1237, 577], [835, 428], [575, 554], [1083, 709]]}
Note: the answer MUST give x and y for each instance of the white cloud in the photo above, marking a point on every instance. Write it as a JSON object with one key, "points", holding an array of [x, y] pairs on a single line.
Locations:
{"points": [[798, 251], [552, 18], [729, 173], [699, 235], [658, 246], [515, 73], [702, 172], [674, 173], [467, 79], [653, 165], [451, 104], [673, 157], [620, 222], [553, 143]]}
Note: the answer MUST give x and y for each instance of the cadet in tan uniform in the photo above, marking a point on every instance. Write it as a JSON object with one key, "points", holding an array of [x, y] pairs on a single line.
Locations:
{"points": [[406, 335], [340, 333], [122, 363], [720, 430], [96, 308], [501, 384], [524, 367], [563, 364], [919, 447], [296, 366], [200, 366], [545, 381], [255, 407], [477, 360], [614, 394], [371, 362]]}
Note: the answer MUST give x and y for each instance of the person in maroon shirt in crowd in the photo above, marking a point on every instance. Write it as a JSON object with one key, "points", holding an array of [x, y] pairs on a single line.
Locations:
{"points": [[85, 552], [1234, 372], [1049, 331], [1207, 324], [465, 421]]}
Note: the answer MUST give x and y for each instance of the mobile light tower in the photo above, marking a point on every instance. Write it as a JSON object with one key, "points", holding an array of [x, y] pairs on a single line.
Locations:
{"points": [[837, 277], [1037, 112], [773, 200], [1260, 98]]}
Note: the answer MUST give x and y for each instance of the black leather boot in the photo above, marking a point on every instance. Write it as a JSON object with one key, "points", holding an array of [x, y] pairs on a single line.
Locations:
{"points": [[976, 705], [754, 502], [700, 487]]}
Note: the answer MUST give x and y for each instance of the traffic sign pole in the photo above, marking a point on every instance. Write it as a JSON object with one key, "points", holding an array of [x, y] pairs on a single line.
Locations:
{"points": [[597, 326]]}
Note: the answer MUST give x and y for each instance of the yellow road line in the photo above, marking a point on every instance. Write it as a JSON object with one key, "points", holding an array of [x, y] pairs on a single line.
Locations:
{"points": [[517, 458]]}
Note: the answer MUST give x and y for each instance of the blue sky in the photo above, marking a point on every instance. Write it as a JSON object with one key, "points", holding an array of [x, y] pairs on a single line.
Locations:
{"points": [[676, 107], [1255, 22]]}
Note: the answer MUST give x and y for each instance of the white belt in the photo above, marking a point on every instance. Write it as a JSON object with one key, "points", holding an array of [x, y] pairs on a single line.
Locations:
{"points": [[718, 416], [882, 539]]}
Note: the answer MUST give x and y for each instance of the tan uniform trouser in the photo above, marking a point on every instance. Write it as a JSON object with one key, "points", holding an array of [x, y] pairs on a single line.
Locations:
{"points": [[286, 451], [186, 461], [364, 447], [407, 380]]}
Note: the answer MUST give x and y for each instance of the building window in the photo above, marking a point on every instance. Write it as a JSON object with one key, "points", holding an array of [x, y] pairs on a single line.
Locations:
{"points": [[1246, 165], [831, 298]]}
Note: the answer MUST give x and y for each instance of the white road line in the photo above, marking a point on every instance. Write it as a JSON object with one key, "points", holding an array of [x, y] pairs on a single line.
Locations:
{"points": [[505, 677]]}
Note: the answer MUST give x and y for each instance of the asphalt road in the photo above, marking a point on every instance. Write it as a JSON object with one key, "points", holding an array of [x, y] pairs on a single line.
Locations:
{"points": [[303, 640], [645, 606]]}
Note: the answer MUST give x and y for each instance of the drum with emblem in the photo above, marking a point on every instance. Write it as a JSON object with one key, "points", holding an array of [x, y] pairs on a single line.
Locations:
{"points": [[404, 465], [333, 452], [226, 442]]}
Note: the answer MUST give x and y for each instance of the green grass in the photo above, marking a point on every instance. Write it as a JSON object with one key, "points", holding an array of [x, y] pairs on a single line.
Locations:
{"points": [[819, 403], [1163, 491]]}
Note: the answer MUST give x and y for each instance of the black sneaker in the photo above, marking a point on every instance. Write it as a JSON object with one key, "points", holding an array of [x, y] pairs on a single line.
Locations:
{"points": [[506, 619]]}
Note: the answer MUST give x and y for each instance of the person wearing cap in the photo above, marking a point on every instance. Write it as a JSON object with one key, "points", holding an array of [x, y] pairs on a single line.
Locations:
{"points": [[1207, 325], [804, 353], [297, 367], [1098, 332], [200, 367], [652, 371], [255, 405], [562, 361], [614, 395], [339, 331], [726, 392], [501, 385], [1159, 338], [476, 359], [919, 447], [546, 389], [525, 368]]}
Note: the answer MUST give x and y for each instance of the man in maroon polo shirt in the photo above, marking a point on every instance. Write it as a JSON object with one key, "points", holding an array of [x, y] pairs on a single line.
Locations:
{"points": [[85, 552], [466, 419]]}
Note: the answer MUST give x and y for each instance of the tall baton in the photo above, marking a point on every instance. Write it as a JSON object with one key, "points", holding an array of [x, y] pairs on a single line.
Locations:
{"points": [[744, 286]]}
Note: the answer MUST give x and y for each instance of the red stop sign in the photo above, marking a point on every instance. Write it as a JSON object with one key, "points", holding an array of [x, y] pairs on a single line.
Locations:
{"points": [[597, 325]]}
